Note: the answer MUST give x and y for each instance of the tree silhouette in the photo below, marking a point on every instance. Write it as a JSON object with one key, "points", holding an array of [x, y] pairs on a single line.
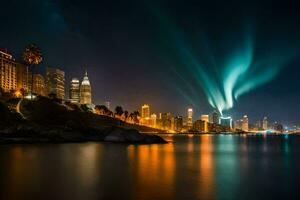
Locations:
{"points": [[32, 56]]}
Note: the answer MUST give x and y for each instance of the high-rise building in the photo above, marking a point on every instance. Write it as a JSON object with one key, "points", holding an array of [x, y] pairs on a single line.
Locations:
{"points": [[107, 104], [226, 121], [145, 111], [265, 123], [189, 117], [8, 71], [214, 118], [205, 118], [238, 124], [55, 81], [245, 125], [178, 123], [23, 78], [153, 119], [39, 86], [85, 90], [200, 126], [166, 121], [74, 91]]}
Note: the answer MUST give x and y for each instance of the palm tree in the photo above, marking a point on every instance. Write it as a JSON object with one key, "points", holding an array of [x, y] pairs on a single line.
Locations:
{"points": [[32, 56], [119, 111]]}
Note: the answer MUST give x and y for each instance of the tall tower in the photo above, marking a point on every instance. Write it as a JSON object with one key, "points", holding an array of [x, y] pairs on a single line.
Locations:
{"points": [[265, 123], [75, 91], [85, 90], [8, 74], [145, 111], [245, 125], [189, 117], [55, 81]]}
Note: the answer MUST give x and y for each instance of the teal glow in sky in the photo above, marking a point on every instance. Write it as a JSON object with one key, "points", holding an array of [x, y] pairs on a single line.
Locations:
{"points": [[224, 66]]}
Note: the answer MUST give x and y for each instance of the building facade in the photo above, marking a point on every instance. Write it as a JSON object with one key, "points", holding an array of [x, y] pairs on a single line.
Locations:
{"points": [[39, 85], [189, 122], [23, 78], [8, 72], [265, 123], [245, 125], [55, 81], [74, 91], [85, 90]]}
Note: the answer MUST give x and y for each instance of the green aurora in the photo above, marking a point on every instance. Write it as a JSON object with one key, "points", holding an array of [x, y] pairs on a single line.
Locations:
{"points": [[224, 76]]}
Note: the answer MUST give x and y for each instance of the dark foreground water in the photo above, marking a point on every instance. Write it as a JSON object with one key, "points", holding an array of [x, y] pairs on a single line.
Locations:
{"points": [[198, 167]]}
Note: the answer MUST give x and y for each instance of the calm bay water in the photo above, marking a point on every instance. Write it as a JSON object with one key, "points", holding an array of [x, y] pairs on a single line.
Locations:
{"points": [[190, 167]]}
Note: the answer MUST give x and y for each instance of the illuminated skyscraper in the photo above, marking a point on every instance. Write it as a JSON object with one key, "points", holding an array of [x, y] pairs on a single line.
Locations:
{"points": [[205, 118], [8, 72], [214, 118], [55, 81], [265, 123], [145, 111], [245, 125], [23, 78], [153, 119], [178, 123], [85, 90], [107, 104], [74, 91], [39, 86], [189, 117]]}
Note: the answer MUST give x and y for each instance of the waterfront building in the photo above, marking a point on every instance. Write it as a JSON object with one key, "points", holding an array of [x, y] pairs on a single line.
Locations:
{"points": [[205, 118], [226, 121], [8, 71], [107, 104], [153, 119], [200, 125], [178, 123], [23, 78], [145, 111], [238, 125], [265, 123], [85, 90], [55, 81], [39, 86], [74, 91], [245, 125], [189, 117], [214, 118], [166, 121]]}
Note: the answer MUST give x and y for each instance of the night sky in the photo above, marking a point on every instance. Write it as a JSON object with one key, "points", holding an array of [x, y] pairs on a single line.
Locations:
{"points": [[135, 52]]}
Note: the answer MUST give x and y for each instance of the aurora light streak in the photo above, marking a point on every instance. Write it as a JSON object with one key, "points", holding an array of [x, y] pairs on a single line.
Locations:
{"points": [[228, 74]]}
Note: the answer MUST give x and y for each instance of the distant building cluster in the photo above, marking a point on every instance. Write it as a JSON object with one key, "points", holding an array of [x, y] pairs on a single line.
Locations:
{"points": [[16, 78], [206, 123]]}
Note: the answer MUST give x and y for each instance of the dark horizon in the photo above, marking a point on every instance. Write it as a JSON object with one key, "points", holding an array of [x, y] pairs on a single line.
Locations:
{"points": [[134, 50]]}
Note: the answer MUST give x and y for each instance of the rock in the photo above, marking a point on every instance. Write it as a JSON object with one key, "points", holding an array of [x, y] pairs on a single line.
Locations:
{"points": [[121, 135]]}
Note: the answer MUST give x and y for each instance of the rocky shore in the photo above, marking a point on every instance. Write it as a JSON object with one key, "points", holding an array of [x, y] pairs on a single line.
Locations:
{"points": [[36, 134]]}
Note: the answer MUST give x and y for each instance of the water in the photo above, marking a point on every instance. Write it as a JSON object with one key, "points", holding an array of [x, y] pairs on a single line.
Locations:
{"points": [[191, 167]]}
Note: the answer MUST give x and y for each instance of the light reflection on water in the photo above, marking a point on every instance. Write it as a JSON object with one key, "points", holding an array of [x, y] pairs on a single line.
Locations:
{"points": [[189, 167]]}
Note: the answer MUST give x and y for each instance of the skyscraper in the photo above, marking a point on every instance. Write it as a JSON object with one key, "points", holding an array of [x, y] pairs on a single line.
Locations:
{"points": [[189, 117], [85, 90], [153, 120], [39, 86], [23, 78], [178, 123], [205, 118], [214, 118], [75, 91], [145, 111], [55, 81], [8, 73], [245, 125], [265, 123]]}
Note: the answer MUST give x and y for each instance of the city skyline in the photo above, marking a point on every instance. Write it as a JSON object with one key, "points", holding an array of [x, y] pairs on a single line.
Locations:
{"points": [[112, 53]]}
